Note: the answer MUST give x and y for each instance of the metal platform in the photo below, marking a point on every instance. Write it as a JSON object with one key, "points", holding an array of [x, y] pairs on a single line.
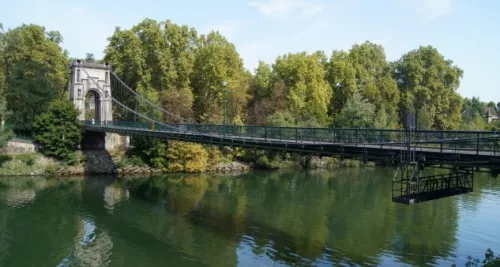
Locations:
{"points": [[413, 190]]}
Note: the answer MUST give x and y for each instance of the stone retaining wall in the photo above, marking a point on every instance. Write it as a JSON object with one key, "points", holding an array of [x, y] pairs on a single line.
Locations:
{"points": [[19, 147]]}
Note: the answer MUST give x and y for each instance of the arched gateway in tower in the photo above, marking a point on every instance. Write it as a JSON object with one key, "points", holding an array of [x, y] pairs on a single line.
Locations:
{"points": [[90, 91]]}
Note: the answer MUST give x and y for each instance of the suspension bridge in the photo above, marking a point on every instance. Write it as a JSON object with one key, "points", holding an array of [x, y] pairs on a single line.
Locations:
{"points": [[121, 110]]}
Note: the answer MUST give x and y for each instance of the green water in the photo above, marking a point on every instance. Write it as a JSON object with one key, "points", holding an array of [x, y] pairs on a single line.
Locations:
{"points": [[323, 218]]}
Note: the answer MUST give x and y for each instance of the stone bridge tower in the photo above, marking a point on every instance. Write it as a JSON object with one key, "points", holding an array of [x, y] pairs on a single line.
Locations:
{"points": [[90, 90]]}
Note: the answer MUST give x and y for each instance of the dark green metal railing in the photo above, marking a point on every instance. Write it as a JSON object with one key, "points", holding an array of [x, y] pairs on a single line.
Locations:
{"points": [[466, 141]]}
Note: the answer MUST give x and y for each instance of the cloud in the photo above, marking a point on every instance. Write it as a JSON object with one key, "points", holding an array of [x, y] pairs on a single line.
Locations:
{"points": [[277, 8], [429, 9]]}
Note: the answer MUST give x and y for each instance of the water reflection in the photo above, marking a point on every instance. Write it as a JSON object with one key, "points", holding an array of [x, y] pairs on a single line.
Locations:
{"points": [[92, 246], [114, 194], [306, 218], [316, 218]]}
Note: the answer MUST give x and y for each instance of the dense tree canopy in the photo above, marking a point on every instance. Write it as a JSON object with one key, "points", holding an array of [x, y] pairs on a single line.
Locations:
{"points": [[193, 75], [36, 72], [156, 58], [307, 92], [217, 61], [429, 81]]}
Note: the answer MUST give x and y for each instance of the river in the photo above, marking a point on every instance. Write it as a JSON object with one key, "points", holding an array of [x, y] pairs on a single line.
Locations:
{"points": [[300, 218]]}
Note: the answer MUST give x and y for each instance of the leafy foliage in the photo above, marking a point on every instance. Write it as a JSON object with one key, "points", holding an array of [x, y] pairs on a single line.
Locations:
{"points": [[5, 134], [35, 72], [186, 157], [216, 62], [184, 72], [428, 80], [357, 113], [58, 131], [307, 92]]}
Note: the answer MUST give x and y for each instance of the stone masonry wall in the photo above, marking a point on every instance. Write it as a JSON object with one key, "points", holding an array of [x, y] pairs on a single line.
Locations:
{"points": [[18, 147]]}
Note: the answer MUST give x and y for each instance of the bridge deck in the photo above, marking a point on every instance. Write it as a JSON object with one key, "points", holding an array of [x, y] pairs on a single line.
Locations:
{"points": [[480, 152]]}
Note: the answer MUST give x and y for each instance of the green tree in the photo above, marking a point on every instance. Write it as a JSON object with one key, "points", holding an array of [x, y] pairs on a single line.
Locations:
{"points": [[342, 78], [36, 72], [58, 130], [491, 104], [427, 79], [216, 62], [89, 57], [308, 94], [2, 63], [357, 113], [374, 78], [156, 58], [282, 119], [5, 134], [265, 97]]}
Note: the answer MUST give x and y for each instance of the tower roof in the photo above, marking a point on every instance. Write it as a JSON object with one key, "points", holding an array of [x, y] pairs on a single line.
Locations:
{"points": [[89, 65]]}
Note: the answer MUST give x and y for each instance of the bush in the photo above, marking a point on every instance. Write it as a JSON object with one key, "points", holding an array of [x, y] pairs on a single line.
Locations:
{"points": [[152, 151], [58, 131], [134, 160], [51, 169], [186, 157], [30, 161]]}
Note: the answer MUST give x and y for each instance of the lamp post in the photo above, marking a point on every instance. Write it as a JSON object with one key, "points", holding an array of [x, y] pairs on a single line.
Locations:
{"points": [[225, 91]]}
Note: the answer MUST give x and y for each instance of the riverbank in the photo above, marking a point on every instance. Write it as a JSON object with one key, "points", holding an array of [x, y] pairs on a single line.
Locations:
{"points": [[120, 163]]}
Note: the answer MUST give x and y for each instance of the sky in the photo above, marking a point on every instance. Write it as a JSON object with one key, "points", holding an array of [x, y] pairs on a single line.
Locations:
{"points": [[465, 31]]}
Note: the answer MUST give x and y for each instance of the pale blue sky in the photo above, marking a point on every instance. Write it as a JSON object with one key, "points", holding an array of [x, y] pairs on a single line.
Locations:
{"points": [[465, 31]]}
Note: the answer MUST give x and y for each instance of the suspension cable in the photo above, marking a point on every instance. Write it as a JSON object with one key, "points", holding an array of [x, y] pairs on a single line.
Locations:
{"points": [[124, 106], [147, 100]]}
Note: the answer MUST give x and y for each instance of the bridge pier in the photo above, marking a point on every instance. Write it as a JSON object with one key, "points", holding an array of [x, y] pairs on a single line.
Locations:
{"points": [[104, 141]]}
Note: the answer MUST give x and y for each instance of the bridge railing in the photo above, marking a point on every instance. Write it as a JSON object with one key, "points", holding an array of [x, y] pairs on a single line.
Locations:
{"points": [[472, 141]]}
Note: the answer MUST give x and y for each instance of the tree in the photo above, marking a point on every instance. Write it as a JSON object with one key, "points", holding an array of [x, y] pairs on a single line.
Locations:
{"points": [[265, 97], [357, 113], [307, 94], [36, 72], [216, 62], [342, 78], [89, 57], [156, 58], [498, 106], [5, 134], [282, 119], [427, 79], [58, 130], [2, 64], [373, 74]]}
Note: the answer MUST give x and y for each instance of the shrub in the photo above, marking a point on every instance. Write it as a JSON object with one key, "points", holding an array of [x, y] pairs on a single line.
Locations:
{"points": [[133, 160], [58, 131], [186, 157], [51, 169]]}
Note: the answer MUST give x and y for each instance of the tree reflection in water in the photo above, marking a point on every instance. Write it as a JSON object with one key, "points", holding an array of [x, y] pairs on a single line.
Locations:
{"points": [[260, 218]]}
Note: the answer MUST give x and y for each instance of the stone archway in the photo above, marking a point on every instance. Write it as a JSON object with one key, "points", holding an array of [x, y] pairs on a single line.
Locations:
{"points": [[93, 107]]}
